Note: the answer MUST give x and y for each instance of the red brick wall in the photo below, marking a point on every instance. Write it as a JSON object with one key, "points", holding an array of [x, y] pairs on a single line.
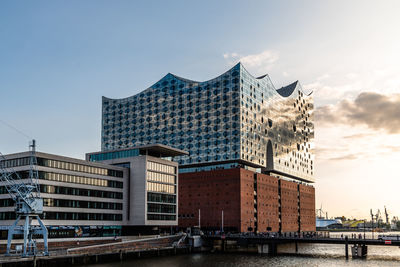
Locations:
{"points": [[267, 202], [307, 208], [211, 192], [289, 206], [246, 200], [233, 192]]}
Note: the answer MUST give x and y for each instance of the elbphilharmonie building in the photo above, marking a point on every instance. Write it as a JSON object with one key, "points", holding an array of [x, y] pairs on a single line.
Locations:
{"points": [[233, 120], [234, 149]]}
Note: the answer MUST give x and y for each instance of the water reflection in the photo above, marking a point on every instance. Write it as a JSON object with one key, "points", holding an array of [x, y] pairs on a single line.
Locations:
{"points": [[308, 255], [234, 259]]}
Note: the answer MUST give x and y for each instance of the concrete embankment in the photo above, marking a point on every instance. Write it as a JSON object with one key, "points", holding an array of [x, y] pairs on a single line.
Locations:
{"points": [[119, 250]]}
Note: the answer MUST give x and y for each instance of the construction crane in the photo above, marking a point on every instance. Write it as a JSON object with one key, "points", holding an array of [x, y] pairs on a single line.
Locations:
{"points": [[28, 205]]}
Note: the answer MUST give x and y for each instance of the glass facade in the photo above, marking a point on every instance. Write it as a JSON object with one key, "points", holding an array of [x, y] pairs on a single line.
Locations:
{"points": [[67, 178], [11, 163], [161, 180], [68, 203], [233, 118], [161, 188], [160, 177], [48, 215], [114, 155], [77, 167], [158, 167], [54, 195], [211, 167], [162, 198], [53, 189]]}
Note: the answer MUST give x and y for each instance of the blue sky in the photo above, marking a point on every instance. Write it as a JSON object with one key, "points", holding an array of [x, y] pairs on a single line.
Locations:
{"points": [[57, 58]]}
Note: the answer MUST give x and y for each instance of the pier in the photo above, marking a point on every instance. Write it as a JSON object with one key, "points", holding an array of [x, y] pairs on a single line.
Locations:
{"points": [[268, 244]]}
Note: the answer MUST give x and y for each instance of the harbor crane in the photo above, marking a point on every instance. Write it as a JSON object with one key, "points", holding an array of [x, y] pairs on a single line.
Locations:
{"points": [[387, 217], [28, 204], [372, 218], [378, 218]]}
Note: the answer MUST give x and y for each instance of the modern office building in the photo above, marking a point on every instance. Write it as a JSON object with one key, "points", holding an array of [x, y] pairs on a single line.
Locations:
{"points": [[153, 183], [260, 139], [88, 198]]}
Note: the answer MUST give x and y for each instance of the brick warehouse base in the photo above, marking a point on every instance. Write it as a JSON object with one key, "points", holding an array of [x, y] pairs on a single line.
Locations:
{"points": [[249, 201]]}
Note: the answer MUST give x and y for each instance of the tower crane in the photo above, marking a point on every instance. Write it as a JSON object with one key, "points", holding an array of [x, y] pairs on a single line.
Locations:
{"points": [[28, 204]]}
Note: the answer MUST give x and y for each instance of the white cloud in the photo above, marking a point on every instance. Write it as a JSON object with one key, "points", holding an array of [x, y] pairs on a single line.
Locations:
{"points": [[263, 61], [364, 128], [352, 76], [330, 94], [323, 77], [332, 87]]}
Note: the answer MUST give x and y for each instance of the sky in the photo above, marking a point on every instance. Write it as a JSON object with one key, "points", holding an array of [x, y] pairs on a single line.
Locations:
{"points": [[57, 58]]}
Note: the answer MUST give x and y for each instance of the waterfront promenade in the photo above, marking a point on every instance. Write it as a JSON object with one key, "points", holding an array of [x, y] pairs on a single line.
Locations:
{"points": [[118, 250]]}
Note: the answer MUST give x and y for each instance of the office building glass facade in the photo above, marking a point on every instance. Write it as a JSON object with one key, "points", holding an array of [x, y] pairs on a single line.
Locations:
{"points": [[161, 187]]}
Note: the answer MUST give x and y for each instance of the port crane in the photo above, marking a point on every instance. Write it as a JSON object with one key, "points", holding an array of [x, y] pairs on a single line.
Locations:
{"points": [[372, 218], [28, 205], [378, 218], [387, 217]]}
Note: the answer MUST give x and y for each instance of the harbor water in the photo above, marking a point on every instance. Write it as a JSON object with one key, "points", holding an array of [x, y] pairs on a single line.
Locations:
{"points": [[308, 255]]}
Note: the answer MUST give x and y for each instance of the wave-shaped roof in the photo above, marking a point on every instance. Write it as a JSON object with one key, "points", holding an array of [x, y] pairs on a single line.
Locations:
{"points": [[284, 91], [288, 89]]}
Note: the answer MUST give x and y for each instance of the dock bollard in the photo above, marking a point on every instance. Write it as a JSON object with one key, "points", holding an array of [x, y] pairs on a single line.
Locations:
{"points": [[346, 247]]}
